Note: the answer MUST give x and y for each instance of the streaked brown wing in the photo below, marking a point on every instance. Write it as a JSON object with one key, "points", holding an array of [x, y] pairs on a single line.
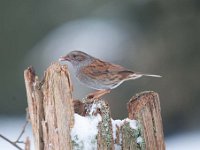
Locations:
{"points": [[105, 70]]}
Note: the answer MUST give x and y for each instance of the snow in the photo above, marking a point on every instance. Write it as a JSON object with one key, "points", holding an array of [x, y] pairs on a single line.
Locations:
{"points": [[94, 107], [115, 124], [119, 123], [184, 141], [133, 123], [84, 133], [139, 140], [11, 127], [85, 130], [117, 147]]}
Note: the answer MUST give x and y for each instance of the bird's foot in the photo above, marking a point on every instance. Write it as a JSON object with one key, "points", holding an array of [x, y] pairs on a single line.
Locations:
{"points": [[95, 96]]}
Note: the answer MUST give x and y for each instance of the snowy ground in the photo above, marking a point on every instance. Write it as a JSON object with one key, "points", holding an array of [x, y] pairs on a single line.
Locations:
{"points": [[11, 127], [184, 141]]}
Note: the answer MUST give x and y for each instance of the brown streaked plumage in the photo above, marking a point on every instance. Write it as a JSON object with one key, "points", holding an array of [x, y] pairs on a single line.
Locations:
{"points": [[100, 75]]}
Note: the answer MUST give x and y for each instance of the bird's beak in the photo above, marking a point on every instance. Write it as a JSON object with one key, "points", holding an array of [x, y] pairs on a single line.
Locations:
{"points": [[64, 58]]}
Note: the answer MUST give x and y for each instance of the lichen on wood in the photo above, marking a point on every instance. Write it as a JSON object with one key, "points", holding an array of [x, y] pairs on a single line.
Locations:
{"points": [[105, 136], [54, 113], [129, 137], [145, 108]]}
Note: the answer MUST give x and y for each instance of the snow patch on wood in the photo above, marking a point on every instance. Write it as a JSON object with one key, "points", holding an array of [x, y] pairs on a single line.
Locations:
{"points": [[84, 133], [117, 133]]}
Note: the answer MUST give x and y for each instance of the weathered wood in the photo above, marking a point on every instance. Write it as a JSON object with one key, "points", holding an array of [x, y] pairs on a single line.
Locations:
{"points": [[35, 106], [88, 108], [52, 113], [145, 108], [27, 144], [129, 137], [50, 107], [105, 136]]}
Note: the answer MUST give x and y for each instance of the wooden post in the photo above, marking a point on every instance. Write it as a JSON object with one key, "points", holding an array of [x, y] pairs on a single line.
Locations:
{"points": [[50, 108], [145, 108], [54, 113]]}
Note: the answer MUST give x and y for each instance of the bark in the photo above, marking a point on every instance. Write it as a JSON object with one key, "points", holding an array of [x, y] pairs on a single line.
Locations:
{"points": [[145, 108], [52, 108]]}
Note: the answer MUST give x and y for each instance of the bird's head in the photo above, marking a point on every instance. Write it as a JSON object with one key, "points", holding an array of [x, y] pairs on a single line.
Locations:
{"points": [[76, 58]]}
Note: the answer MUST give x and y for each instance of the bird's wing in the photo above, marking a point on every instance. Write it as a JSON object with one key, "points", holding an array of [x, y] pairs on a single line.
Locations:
{"points": [[103, 69]]}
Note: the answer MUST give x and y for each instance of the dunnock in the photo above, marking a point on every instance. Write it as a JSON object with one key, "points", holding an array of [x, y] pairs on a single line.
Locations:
{"points": [[100, 75]]}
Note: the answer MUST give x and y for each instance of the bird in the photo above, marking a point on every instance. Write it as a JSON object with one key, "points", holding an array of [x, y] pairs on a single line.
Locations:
{"points": [[98, 74]]}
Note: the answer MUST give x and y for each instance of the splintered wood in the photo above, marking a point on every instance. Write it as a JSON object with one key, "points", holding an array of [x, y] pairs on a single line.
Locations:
{"points": [[58, 121], [145, 108], [50, 108]]}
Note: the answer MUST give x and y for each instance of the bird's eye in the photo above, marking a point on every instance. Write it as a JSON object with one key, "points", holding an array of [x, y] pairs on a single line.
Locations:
{"points": [[77, 57], [74, 56]]}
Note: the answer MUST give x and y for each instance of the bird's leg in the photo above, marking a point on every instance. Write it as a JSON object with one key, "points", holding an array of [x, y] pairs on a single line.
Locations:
{"points": [[97, 94]]}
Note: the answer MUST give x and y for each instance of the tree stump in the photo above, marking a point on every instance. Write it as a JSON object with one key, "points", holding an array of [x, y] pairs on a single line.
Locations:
{"points": [[62, 123]]}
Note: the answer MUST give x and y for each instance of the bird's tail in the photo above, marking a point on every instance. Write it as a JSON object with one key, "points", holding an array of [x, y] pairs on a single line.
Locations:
{"points": [[152, 75], [138, 75]]}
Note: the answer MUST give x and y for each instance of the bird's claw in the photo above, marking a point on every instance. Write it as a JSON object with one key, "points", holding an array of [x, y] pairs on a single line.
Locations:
{"points": [[97, 95]]}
